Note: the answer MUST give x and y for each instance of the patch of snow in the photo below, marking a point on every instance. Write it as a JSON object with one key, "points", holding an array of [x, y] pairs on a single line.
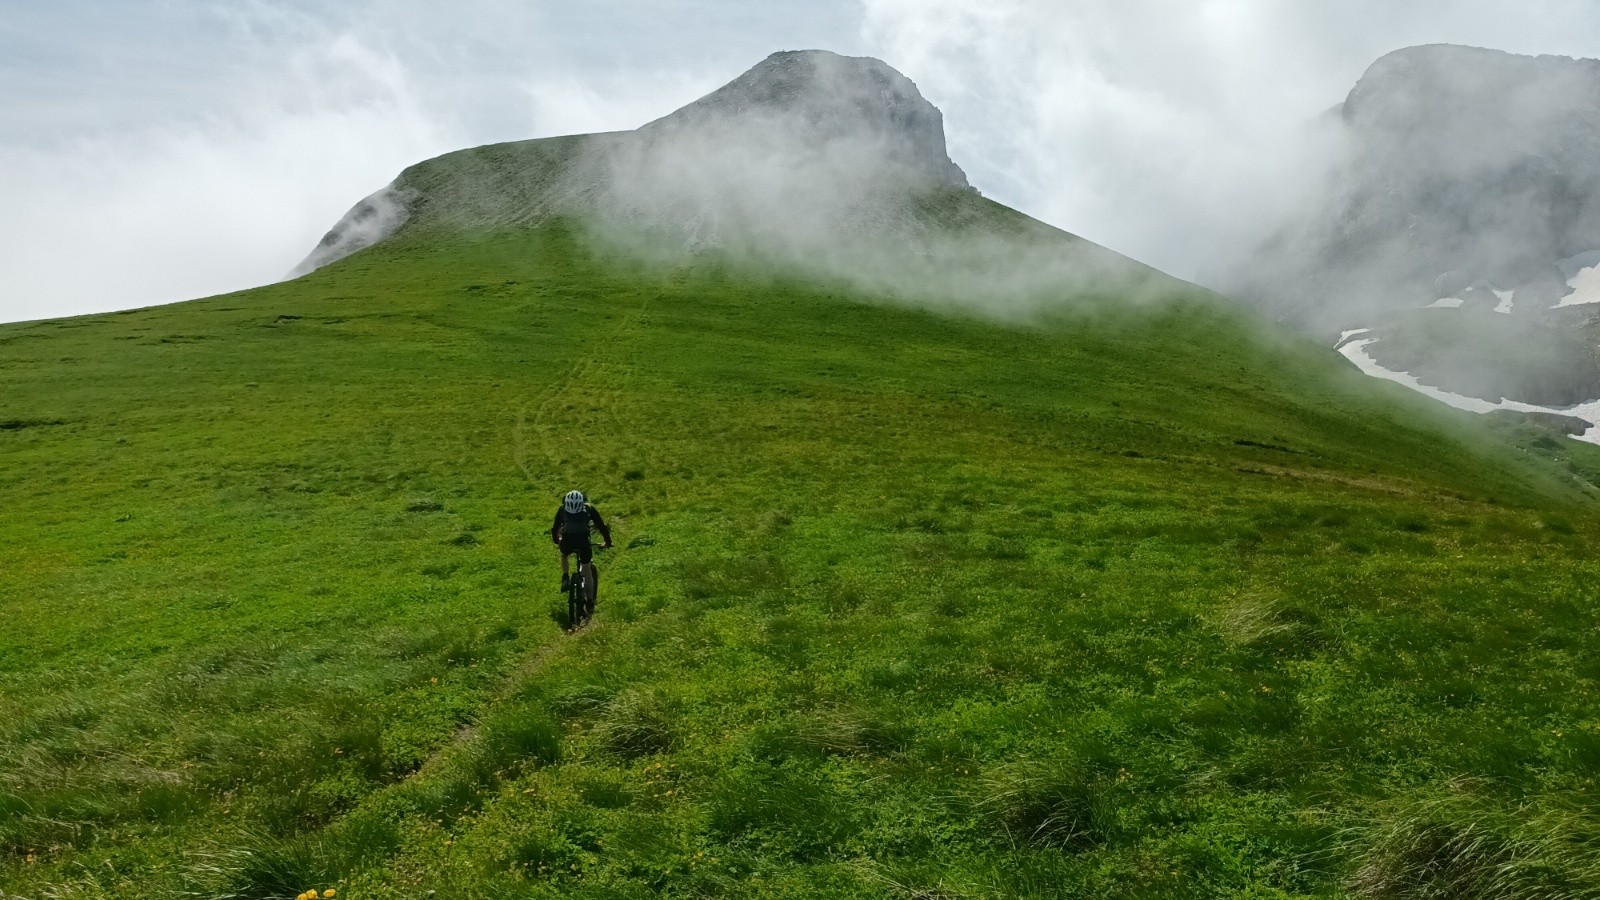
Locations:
{"points": [[1585, 288], [1455, 302], [1350, 334], [1356, 352]]}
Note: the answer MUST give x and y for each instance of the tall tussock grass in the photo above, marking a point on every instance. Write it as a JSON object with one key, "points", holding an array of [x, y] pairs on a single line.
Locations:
{"points": [[830, 731], [1058, 802], [1460, 847], [638, 723], [261, 867]]}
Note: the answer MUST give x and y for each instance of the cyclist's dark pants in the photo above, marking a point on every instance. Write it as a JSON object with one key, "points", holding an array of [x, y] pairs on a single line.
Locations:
{"points": [[580, 545]]}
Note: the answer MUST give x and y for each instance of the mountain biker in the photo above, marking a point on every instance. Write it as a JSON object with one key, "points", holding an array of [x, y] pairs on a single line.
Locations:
{"points": [[571, 533]]}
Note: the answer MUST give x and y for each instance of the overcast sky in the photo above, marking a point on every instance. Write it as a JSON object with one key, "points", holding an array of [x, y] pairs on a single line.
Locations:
{"points": [[157, 150]]}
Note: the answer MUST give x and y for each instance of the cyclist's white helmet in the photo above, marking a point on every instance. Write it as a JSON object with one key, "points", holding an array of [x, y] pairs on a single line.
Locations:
{"points": [[574, 502]]}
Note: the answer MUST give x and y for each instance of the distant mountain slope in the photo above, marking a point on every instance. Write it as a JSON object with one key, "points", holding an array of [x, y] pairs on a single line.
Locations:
{"points": [[821, 165]]}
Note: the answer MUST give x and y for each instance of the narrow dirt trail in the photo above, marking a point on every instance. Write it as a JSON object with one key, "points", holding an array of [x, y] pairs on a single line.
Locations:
{"points": [[592, 387]]}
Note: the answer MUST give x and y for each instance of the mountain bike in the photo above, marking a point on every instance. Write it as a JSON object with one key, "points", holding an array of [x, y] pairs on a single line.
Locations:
{"points": [[581, 593]]}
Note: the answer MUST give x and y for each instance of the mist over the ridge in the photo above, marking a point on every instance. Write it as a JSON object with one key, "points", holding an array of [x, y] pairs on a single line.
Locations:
{"points": [[837, 169], [840, 213], [152, 152]]}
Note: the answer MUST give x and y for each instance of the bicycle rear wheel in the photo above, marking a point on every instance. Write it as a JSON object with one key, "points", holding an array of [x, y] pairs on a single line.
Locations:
{"points": [[591, 586], [575, 605]]}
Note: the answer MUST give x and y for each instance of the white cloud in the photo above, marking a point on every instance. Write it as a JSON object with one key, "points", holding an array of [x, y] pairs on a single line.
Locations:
{"points": [[206, 204], [153, 151], [189, 212], [571, 104]]}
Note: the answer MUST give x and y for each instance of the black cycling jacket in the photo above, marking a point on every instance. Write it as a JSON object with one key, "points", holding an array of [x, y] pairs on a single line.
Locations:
{"points": [[577, 524]]}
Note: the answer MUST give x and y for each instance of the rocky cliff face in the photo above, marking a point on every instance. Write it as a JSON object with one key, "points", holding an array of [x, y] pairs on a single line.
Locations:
{"points": [[1465, 167], [799, 147]]}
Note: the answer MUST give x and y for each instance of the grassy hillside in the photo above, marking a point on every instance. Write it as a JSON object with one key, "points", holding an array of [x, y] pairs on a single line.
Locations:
{"points": [[1147, 603]]}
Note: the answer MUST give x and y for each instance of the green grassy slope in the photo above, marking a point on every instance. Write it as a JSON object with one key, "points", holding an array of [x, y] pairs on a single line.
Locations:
{"points": [[1138, 604]]}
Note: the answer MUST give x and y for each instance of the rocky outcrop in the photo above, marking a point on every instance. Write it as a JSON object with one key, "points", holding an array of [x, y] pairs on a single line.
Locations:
{"points": [[367, 223], [1569, 426]]}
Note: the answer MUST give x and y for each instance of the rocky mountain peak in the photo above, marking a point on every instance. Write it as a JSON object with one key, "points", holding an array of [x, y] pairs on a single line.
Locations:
{"points": [[819, 97]]}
